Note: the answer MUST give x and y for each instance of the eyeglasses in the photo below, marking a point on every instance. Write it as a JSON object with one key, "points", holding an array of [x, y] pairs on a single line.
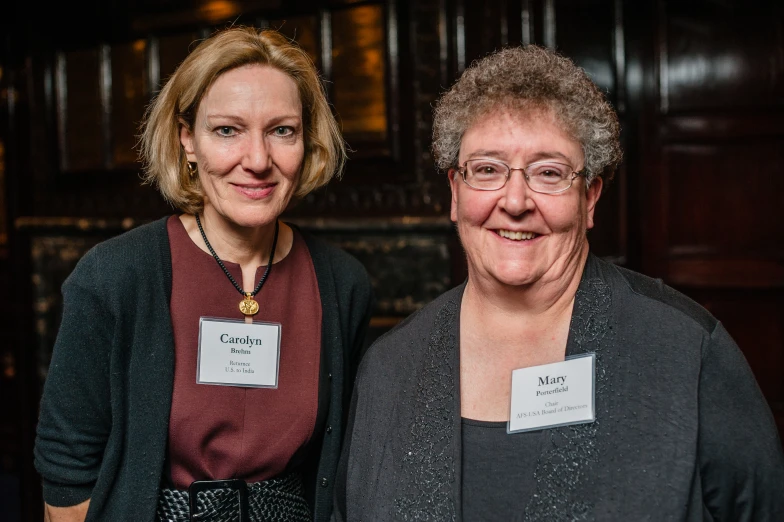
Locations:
{"points": [[545, 177]]}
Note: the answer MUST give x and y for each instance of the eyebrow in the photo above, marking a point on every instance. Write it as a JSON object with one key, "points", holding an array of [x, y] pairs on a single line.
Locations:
{"points": [[538, 156], [209, 117], [230, 117], [484, 153]]}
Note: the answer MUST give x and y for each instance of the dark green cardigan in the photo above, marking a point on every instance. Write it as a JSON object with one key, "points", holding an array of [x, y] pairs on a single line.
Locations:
{"points": [[104, 419]]}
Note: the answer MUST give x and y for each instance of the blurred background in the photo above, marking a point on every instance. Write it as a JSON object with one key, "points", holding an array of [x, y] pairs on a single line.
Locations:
{"points": [[698, 85]]}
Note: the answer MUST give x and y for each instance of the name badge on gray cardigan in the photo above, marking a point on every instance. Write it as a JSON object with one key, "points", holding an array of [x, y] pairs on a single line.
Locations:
{"points": [[555, 394]]}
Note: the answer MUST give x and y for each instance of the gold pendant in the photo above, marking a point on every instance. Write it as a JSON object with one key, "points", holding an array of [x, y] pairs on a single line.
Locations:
{"points": [[248, 306]]}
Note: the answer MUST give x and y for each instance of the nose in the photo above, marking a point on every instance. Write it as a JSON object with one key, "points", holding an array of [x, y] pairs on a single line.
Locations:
{"points": [[257, 157], [517, 195]]}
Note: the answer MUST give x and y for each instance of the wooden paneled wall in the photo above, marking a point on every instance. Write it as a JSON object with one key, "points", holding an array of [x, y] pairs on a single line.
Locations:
{"points": [[711, 161], [699, 88]]}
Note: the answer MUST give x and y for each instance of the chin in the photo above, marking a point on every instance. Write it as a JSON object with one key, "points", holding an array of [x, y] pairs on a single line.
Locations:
{"points": [[515, 278], [518, 282], [254, 219]]}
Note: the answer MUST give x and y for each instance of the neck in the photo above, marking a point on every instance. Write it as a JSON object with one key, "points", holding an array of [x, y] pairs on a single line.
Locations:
{"points": [[507, 311], [246, 246]]}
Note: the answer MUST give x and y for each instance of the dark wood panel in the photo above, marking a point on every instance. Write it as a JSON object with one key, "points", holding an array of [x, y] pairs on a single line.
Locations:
{"points": [[80, 110], [305, 31], [157, 15], [408, 269], [130, 94], [359, 77], [11, 447], [40, 168], [707, 271], [423, 76], [592, 47], [716, 127], [608, 237], [359, 201], [483, 27], [3, 208], [721, 54], [169, 52], [726, 199]]}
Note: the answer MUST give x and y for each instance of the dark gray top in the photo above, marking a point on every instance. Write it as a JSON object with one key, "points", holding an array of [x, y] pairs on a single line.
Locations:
{"points": [[682, 430], [498, 470], [104, 414]]}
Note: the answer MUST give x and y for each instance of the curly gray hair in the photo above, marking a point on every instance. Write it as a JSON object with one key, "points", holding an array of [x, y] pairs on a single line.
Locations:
{"points": [[530, 78]]}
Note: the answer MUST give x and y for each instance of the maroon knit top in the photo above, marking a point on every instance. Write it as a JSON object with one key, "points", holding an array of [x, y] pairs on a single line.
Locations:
{"points": [[223, 432]]}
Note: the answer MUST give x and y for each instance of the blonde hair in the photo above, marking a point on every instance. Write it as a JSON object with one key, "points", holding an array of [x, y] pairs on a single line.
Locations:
{"points": [[162, 155], [530, 78]]}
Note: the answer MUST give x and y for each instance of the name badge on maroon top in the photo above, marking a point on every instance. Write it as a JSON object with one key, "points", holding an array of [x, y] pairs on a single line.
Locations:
{"points": [[235, 353]]}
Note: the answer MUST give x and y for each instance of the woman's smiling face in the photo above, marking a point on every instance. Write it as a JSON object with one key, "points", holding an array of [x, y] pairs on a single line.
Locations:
{"points": [[514, 236], [247, 142]]}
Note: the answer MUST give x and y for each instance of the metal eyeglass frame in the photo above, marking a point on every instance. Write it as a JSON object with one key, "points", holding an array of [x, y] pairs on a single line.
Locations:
{"points": [[463, 171]]}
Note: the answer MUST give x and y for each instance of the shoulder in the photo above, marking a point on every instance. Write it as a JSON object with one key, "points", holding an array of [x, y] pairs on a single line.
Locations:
{"points": [[125, 254], [423, 320], [409, 338], [650, 295], [133, 242]]}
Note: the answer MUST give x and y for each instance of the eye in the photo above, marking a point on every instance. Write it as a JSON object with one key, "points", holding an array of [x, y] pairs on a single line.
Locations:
{"points": [[225, 131], [550, 171], [485, 168], [283, 130]]}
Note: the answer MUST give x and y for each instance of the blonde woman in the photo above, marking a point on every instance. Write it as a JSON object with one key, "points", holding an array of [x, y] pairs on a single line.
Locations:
{"points": [[204, 361]]}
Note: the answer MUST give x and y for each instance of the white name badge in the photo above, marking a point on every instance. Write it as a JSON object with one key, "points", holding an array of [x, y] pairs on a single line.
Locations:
{"points": [[236, 353], [551, 395]]}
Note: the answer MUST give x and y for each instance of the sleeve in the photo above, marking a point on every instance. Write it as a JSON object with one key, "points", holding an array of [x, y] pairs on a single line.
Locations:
{"points": [[360, 344], [75, 417], [360, 305], [339, 511], [740, 452]]}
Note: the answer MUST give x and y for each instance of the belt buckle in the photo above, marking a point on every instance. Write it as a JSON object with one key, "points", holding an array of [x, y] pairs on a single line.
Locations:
{"points": [[206, 485]]}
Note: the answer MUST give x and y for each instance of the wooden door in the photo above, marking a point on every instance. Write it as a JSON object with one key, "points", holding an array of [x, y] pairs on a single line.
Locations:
{"points": [[708, 96]]}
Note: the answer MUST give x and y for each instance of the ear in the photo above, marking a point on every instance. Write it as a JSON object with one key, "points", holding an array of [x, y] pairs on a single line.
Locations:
{"points": [[592, 196], [454, 179], [186, 139]]}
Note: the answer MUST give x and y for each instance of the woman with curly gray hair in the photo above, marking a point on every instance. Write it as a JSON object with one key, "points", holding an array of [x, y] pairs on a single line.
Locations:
{"points": [[550, 385]]}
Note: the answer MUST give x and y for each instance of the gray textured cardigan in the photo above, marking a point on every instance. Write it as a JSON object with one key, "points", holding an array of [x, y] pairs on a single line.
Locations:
{"points": [[103, 424], [682, 431]]}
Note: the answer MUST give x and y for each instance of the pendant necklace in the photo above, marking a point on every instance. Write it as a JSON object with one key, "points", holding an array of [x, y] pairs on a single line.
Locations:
{"points": [[248, 306]]}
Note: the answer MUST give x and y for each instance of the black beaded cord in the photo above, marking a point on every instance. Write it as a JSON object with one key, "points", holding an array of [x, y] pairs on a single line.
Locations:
{"points": [[228, 274]]}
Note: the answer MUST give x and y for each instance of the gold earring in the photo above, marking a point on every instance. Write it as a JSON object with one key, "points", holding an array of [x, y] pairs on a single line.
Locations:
{"points": [[192, 171]]}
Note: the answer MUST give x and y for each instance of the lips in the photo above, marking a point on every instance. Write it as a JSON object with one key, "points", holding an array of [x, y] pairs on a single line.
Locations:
{"points": [[255, 191], [516, 236]]}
